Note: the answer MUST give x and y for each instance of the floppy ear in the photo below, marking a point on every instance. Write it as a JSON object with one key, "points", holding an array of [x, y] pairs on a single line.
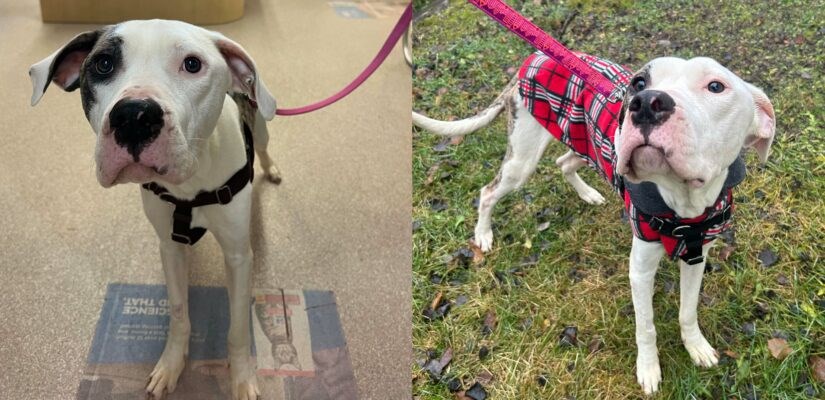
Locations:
{"points": [[63, 66], [245, 77], [765, 125]]}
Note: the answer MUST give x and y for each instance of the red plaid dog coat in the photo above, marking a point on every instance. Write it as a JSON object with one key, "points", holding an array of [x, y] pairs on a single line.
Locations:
{"points": [[586, 122]]}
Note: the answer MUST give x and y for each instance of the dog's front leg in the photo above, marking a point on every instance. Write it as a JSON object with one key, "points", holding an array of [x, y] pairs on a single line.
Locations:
{"points": [[232, 233], [167, 370], [644, 261], [690, 284], [164, 376]]}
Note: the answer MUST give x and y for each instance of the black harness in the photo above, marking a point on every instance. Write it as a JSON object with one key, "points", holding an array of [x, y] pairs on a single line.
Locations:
{"points": [[182, 229]]}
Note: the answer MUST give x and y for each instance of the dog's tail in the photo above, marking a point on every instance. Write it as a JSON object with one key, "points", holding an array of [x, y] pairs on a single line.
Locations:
{"points": [[468, 125]]}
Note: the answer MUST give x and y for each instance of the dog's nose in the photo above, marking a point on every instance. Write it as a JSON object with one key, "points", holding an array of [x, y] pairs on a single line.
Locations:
{"points": [[650, 107], [135, 123]]}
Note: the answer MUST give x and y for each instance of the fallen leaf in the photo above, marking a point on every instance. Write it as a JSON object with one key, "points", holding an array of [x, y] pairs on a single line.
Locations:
{"points": [[484, 378], [489, 323], [569, 337], [817, 364], [435, 367], [528, 244], [768, 257], [454, 385], [761, 310], [438, 205], [749, 328], [731, 354], [437, 300], [726, 252], [431, 173], [782, 279], [478, 254], [461, 300], [476, 392], [483, 352], [595, 344], [543, 226], [779, 348], [456, 140]]}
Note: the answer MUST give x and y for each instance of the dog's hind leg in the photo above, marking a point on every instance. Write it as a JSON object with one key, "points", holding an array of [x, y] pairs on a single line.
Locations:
{"points": [[260, 135], [526, 143], [569, 164]]}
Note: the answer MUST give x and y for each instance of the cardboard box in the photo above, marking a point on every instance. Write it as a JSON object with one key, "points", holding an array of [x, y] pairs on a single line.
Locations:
{"points": [[200, 12]]}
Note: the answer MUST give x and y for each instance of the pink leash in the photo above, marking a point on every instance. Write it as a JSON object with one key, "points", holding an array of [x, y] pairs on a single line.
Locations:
{"points": [[396, 33], [516, 23]]}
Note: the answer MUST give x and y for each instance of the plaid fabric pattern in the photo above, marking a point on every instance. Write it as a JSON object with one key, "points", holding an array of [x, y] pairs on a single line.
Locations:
{"points": [[586, 122]]}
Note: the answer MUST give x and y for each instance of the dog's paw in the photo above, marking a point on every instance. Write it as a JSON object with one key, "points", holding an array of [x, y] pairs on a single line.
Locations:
{"points": [[273, 175], [649, 375], [701, 352], [164, 377], [590, 195], [484, 240], [245, 388]]}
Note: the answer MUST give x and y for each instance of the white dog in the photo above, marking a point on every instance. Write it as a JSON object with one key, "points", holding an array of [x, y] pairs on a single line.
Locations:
{"points": [[674, 144], [174, 108]]}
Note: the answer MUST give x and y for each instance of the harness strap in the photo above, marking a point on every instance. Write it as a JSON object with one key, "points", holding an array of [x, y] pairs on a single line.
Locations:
{"points": [[182, 229], [692, 235]]}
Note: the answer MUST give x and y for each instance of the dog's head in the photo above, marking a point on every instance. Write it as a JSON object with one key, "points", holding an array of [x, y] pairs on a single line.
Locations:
{"points": [[152, 92], [686, 121]]}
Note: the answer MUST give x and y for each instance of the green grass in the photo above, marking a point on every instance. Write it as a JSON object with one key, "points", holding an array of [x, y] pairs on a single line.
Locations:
{"points": [[463, 60]]}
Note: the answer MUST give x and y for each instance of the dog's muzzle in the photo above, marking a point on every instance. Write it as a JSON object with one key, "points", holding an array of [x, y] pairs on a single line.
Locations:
{"points": [[135, 123]]}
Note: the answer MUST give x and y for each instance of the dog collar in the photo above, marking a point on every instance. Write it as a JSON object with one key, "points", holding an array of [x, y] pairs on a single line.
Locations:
{"points": [[182, 229]]}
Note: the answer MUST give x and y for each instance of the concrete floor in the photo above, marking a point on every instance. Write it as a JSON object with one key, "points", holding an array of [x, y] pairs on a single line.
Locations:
{"points": [[339, 221]]}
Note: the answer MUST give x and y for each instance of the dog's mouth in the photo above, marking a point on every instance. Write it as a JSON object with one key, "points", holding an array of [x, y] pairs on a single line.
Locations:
{"points": [[646, 161]]}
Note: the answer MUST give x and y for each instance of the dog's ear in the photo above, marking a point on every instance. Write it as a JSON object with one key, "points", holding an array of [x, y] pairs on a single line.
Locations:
{"points": [[764, 124], [245, 76], [63, 66]]}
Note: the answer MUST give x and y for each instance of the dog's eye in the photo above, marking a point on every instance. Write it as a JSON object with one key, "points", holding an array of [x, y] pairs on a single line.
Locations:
{"points": [[638, 84], [716, 87], [104, 65], [192, 64]]}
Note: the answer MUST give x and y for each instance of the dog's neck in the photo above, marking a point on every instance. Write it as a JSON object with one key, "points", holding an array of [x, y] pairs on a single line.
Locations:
{"points": [[690, 202], [219, 156]]}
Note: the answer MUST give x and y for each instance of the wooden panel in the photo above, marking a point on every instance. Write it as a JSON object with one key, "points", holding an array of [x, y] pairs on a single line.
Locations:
{"points": [[201, 12]]}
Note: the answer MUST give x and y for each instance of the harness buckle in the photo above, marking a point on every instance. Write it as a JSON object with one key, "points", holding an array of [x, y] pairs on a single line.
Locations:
{"points": [[676, 231], [655, 223], [181, 238], [695, 260], [224, 195]]}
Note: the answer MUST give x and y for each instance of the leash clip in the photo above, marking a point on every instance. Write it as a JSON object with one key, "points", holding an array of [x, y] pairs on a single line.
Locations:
{"points": [[676, 231]]}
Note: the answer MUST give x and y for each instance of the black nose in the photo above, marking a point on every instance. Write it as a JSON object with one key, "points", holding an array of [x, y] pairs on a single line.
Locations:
{"points": [[136, 123], [650, 107]]}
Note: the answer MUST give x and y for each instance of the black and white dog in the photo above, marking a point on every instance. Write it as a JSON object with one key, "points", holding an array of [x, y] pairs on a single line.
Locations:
{"points": [[174, 108], [671, 149]]}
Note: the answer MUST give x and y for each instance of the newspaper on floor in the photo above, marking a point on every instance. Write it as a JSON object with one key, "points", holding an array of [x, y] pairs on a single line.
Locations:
{"points": [[297, 343]]}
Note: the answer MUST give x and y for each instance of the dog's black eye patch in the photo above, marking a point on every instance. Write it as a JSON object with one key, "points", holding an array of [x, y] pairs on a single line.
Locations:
{"points": [[638, 83], [100, 67]]}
